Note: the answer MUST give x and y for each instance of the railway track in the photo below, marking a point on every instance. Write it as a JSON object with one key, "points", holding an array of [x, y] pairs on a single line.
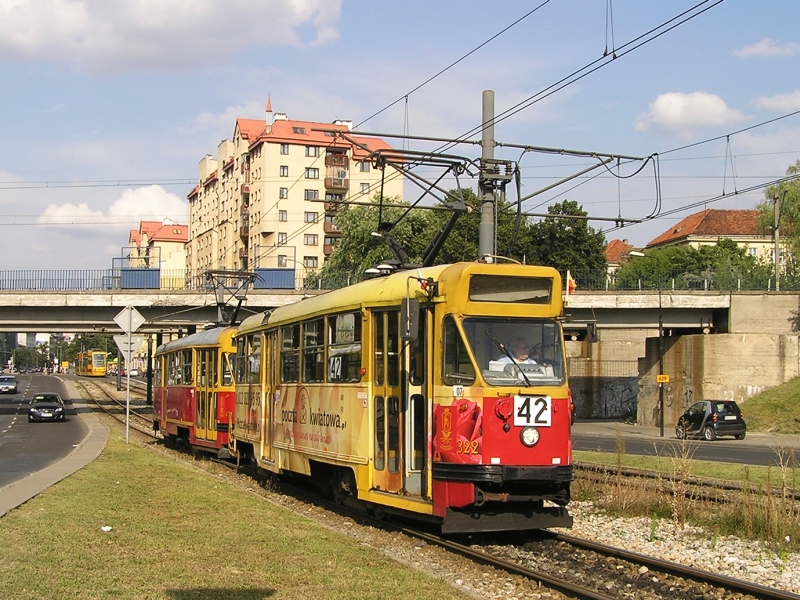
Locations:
{"points": [[116, 409], [574, 567]]}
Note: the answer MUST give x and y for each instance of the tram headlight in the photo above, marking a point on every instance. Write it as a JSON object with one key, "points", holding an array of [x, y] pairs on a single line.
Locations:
{"points": [[529, 436]]}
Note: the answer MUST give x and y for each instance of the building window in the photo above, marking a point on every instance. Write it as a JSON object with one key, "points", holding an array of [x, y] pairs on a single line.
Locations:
{"points": [[365, 188], [330, 241], [284, 171], [284, 148], [310, 217], [310, 262], [310, 239], [312, 150], [752, 251], [283, 215], [298, 129], [283, 193], [331, 197], [312, 195], [281, 260], [363, 166], [281, 239], [312, 173]]}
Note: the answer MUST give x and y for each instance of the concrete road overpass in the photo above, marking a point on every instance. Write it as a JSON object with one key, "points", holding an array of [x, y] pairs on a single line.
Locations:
{"points": [[75, 311]]}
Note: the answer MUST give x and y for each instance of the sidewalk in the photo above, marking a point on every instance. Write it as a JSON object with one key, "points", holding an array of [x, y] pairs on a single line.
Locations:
{"points": [[610, 428], [22, 490]]}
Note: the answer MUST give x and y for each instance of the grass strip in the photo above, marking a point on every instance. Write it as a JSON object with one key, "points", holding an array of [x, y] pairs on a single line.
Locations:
{"points": [[178, 533]]}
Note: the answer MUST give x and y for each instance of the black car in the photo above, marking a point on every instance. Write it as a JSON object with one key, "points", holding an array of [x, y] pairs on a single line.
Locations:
{"points": [[712, 418], [46, 407]]}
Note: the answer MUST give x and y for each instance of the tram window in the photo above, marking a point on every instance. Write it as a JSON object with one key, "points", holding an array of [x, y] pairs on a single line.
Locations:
{"points": [[344, 351], [417, 354], [290, 353], [380, 439], [228, 358], [186, 367], [159, 369], [314, 351], [494, 288], [212, 368], [202, 367], [418, 433], [458, 369], [380, 342], [393, 348], [254, 358], [174, 369], [393, 410], [240, 359]]}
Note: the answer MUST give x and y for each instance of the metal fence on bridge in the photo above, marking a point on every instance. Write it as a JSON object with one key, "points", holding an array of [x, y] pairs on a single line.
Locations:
{"points": [[133, 278]]}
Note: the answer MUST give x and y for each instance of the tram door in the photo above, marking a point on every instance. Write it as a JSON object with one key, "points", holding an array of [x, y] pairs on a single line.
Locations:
{"points": [[206, 377], [270, 358], [387, 402], [417, 356]]}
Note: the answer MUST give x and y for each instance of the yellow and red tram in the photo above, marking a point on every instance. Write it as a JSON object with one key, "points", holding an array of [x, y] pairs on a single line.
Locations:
{"points": [[400, 394], [91, 363], [194, 392]]}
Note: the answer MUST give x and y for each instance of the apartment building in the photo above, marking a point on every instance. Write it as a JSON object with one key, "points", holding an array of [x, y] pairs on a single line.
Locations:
{"points": [[269, 197]]}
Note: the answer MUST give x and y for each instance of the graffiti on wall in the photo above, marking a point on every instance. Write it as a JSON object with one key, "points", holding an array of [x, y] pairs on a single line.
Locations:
{"points": [[605, 397]]}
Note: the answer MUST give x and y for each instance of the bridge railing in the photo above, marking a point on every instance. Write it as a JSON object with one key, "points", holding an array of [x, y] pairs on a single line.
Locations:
{"points": [[681, 279], [285, 278]]}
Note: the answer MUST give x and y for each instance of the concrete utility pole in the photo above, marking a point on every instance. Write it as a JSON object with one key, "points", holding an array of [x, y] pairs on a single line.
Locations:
{"points": [[486, 184], [777, 242]]}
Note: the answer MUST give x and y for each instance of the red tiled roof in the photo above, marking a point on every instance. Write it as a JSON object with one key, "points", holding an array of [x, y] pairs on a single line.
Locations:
{"points": [[616, 249], [156, 231], [250, 129], [711, 223], [286, 131]]}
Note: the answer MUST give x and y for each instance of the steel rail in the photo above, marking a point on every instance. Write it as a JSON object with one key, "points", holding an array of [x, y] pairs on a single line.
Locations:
{"points": [[729, 583]]}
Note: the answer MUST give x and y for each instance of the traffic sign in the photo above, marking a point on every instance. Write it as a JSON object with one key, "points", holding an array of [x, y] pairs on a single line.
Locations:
{"points": [[128, 344], [129, 319]]}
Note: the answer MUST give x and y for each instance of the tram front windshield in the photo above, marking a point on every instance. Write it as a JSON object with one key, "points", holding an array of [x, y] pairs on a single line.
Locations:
{"points": [[516, 351]]}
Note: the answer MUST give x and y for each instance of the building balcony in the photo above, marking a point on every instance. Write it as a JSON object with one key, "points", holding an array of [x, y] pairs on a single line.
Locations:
{"points": [[245, 188], [329, 227], [337, 160], [328, 249], [335, 183], [244, 231], [243, 253], [244, 209]]}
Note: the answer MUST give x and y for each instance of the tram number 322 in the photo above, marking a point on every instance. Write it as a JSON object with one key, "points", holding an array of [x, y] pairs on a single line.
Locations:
{"points": [[532, 411]]}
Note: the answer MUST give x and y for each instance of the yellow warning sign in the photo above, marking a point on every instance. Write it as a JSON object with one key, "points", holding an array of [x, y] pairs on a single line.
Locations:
{"points": [[662, 378]]}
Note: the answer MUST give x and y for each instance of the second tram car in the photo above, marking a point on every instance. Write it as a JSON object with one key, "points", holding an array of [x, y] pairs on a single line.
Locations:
{"points": [[194, 392], [401, 394], [91, 363]]}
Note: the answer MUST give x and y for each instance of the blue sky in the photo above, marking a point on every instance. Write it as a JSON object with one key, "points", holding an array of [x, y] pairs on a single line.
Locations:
{"points": [[107, 107]]}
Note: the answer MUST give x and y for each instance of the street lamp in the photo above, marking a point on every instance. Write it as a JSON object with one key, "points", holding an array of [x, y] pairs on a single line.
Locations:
{"points": [[660, 378]]}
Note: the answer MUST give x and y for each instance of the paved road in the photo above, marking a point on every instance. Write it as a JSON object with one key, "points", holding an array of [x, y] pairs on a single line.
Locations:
{"points": [[755, 449], [26, 448]]}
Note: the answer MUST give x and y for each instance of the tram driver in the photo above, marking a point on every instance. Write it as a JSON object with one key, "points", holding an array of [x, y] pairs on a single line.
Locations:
{"points": [[520, 352]]}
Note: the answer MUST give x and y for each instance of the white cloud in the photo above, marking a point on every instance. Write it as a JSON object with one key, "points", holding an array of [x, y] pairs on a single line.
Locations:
{"points": [[685, 114], [112, 37], [769, 47], [152, 203], [780, 103]]}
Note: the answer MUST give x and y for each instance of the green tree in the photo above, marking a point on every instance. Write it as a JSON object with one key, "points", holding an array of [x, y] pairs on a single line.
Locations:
{"points": [[789, 194], [566, 243], [358, 249]]}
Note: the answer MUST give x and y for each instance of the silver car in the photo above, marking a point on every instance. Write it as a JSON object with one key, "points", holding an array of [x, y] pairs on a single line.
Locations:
{"points": [[8, 384]]}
